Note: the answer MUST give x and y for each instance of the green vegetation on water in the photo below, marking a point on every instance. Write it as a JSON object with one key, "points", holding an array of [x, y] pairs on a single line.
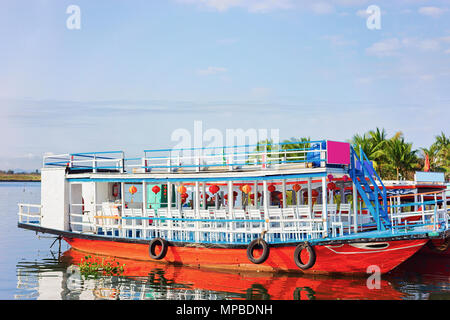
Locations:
{"points": [[4, 176], [93, 268]]}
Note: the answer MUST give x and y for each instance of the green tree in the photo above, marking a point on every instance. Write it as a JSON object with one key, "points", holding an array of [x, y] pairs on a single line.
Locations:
{"points": [[400, 156]]}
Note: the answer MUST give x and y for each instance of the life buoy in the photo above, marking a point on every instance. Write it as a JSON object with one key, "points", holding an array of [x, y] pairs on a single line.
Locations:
{"points": [[115, 190], [253, 245], [158, 242], [297, 256]]}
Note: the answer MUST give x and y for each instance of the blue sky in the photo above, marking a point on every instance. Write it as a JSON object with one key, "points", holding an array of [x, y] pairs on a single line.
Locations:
{"points": [[138, 70]]}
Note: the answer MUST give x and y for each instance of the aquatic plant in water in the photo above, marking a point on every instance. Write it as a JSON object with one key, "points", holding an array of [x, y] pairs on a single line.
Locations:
{"points": [[93, 267]]}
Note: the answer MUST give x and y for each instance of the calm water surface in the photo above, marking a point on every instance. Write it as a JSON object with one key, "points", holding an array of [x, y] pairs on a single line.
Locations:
{"points": [[35, 267]]}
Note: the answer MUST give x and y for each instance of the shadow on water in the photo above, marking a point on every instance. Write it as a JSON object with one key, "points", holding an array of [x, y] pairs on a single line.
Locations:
{"points": [[59, 279]]}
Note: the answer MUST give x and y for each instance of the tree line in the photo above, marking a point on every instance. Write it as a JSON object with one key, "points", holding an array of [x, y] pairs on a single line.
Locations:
{"points": [[393, 158]]}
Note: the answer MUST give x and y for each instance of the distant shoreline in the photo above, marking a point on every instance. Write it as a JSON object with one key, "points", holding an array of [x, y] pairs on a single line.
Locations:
{"points": [[18, 177]]}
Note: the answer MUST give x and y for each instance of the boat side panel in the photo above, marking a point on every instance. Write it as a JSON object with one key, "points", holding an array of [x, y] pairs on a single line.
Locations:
{"points": [[344, 258]]}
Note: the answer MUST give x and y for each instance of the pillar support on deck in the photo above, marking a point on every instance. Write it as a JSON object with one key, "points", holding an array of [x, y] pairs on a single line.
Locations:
{"points": [[355, 208], [169, 195], [310, 207], [230, 198], [324, 205]]}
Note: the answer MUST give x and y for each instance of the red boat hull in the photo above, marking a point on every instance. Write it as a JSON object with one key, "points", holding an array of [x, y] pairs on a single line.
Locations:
{"points": [[345, 258], [247, 285]]}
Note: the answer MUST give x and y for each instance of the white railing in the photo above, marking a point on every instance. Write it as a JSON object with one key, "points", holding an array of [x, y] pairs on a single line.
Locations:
{"points": [[198, 159], [254, 156], [431, 214], [30, 213], [95, 161], [211, 225]]}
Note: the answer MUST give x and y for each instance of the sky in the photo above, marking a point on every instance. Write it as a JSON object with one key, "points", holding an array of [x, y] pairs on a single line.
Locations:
{"points": [[135, 72]]}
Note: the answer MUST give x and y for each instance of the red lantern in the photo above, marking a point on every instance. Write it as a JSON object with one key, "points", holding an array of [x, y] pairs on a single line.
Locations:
{"points": [[345, 178], [314, 193], [296, 187], [330, 177], [156, 189], [331, 186], [207, 196], [181, 189], [246, 189], [214, 189], [271, 188], [132, 189]]}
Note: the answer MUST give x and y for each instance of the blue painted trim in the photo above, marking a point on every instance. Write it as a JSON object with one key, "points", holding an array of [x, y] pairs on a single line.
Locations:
{"points": [[227, 165], [414, 204], [100, 152], [277, 177], [186, 219], [239, 146]]}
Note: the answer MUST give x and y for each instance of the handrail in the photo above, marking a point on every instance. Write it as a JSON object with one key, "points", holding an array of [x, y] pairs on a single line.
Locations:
{"points": [[237, 146], [416, 194], [373, 182]]}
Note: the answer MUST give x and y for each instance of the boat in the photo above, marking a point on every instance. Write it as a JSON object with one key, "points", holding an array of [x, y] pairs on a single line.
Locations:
{"points": [[320, 208]]}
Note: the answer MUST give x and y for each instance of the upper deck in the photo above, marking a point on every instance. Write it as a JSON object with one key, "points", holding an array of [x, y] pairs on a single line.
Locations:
{"points": [[311, 158]]}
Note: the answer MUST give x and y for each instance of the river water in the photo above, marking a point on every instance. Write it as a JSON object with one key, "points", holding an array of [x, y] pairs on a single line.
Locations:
{"points": [[38, 267]]}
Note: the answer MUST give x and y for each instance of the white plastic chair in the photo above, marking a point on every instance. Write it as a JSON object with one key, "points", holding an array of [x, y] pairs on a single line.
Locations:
{"points": [[255, 228], [239, 228], [275, 224]]}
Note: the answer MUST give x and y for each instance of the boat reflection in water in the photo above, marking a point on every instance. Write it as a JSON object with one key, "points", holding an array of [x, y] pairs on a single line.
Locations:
{"points": [[143, 280]]}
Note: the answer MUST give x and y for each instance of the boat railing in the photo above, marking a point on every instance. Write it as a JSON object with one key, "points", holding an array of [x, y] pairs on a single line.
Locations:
{"points": [[87, 161], [234, 157], [30, 213], [206, 225], [429, 213]]}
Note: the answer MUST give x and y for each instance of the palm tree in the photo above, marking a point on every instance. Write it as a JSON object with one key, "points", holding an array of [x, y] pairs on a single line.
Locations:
{"points": [[372, 143], [442, 145], [297, 145], [400, 156], [431, 152]]}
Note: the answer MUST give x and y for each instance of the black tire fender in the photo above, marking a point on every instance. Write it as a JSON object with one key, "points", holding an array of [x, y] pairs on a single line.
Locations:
{"points": [[254, 244], [158, 242], [312, 256]]}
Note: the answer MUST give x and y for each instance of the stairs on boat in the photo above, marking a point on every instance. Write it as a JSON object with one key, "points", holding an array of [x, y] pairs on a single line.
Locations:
{"points": [[370, 188]]}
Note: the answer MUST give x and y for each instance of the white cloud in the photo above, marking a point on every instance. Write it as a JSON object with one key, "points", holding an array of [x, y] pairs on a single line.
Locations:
{"points": [[392, 47], [426, 77], [364, 80], [250, 5], [260, 92], [211, 70], [362, 13], [432, 11], [322, 8], [338, 40], [385, 48]]}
